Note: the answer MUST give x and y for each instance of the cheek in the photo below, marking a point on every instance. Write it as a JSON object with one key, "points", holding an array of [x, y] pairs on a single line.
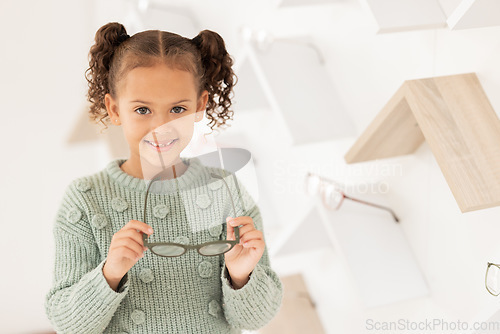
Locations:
{"points": [[185, 136], [184, 127], [133, 133]]}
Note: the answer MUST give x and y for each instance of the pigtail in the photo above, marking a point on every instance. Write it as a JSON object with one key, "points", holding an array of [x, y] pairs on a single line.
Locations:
{"points": [[107, 40], [218, 77]]}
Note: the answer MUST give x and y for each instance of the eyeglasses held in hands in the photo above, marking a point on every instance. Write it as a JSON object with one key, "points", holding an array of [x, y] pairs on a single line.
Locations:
{"points": [[172, 249], [331, 194]]}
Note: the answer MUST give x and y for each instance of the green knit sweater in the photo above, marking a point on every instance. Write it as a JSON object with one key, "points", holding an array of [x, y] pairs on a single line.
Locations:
{"points": [[186, 294]]}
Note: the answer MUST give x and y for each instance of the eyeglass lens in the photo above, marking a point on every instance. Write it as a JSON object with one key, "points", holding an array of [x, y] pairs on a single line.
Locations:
{"points": [[214, 249], [332, 197], [168, 250], [493, 279]]}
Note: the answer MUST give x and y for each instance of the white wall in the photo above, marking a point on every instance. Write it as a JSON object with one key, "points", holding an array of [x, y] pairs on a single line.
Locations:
{"points": [[43, 56]]}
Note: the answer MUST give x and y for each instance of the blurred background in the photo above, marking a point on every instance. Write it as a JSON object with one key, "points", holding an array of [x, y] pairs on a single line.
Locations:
{"points": [[312, 77]]}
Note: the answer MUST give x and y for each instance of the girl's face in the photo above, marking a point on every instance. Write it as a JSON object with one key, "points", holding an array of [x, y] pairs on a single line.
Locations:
{"points": [[157, 105]]}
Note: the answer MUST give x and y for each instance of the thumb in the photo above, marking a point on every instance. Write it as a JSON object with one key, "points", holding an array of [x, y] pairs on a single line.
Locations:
{"points": [[230, 230]]}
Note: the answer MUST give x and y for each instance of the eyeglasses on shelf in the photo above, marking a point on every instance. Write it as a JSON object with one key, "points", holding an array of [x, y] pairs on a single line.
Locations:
{"points": [[332, 195]]}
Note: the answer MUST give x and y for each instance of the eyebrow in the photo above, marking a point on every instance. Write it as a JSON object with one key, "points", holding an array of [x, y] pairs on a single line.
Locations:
{"points": [[145, 102]]}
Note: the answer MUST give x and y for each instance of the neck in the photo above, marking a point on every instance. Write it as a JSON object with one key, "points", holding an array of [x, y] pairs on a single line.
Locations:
{"points": [[142, 169]]}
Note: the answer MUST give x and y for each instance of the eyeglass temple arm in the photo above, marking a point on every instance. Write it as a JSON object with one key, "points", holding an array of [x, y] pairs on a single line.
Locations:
{"points": [[236, 228], [155, 178], [375, 205]]}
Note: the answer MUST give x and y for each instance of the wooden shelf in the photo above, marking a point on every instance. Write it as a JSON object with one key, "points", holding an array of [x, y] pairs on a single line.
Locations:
{"points": [[453, 114]]}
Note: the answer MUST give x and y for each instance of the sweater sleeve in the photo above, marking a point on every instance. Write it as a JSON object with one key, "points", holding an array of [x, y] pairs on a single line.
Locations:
{"points": [[80, 299], [254, 305]]}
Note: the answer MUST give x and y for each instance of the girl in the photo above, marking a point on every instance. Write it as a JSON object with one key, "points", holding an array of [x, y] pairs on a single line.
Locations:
{"points": [[155, 85]]}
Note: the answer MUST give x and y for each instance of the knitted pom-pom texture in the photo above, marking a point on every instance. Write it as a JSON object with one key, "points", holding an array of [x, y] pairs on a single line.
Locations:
{"points": [[186, 294]]}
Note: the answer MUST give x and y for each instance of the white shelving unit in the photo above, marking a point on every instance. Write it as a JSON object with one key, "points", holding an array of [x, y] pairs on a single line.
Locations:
{"points": [[403, 15], [371, 246], [475, 14], [290, 77]]}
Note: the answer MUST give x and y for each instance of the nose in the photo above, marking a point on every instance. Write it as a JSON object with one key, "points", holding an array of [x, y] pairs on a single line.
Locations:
{"points": [[158, 123]]}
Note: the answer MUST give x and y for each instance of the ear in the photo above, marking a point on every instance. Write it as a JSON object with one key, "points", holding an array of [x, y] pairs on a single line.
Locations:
{"points": [[202, 105], [112, 109]]}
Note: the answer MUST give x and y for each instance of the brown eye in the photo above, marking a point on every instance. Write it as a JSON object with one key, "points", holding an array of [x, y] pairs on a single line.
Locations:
{"points": [[140, 109], [178, 108]]}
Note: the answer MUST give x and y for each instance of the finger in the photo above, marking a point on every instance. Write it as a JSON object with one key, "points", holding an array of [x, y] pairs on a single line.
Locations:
{"points": [[255, 234], [245, 229], [139, 226], [128, 253], [132, 234], [129, 244], [255, 243], [230, 233], [238, 221]]}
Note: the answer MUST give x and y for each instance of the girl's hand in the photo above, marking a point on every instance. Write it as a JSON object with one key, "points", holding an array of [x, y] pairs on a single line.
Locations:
{"points": [[243, 257], [125, 250]]}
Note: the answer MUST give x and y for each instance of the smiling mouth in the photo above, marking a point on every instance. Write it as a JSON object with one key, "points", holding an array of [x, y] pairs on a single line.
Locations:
{"points": [[162, 144]]}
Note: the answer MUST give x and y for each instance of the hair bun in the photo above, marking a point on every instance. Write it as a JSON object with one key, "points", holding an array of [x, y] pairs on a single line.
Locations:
{"points": [[123, 37], [107, 40], [219, 77], [214, 55], [197, 40]]}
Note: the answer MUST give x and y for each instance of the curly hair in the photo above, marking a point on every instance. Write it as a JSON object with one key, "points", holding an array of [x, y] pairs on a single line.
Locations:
{"points": [[115, 53]]}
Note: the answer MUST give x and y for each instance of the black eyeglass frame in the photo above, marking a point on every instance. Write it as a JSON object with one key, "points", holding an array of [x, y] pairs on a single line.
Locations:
{"points": [[150, 245]]}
